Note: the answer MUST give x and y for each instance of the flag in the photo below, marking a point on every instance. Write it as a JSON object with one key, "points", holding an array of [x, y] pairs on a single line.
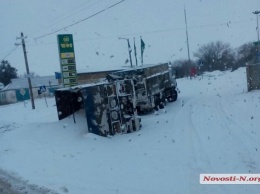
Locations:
{"points": [[142, 45], [57, 75], [135, 53], [142, 49]]}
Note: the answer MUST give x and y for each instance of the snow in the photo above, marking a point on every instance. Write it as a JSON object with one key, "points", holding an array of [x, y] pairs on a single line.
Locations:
{"points": [[213, 127]]}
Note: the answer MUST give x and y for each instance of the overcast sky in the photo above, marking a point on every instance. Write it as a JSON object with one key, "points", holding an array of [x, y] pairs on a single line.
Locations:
{"points": [[160, 23]]}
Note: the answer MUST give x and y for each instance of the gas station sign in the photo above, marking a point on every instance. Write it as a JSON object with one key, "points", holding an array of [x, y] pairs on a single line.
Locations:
{"points": [[67, 60]]}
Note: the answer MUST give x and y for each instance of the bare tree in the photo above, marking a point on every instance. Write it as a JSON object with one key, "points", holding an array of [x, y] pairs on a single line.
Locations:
{"points": [[216, 56], [245, 54]]}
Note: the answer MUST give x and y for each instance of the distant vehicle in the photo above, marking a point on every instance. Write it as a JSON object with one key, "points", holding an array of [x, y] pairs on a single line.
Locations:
{"points": [[1, 86], [154, 84]]}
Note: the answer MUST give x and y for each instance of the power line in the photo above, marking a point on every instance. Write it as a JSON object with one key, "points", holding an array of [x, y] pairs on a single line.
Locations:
{"points": [[75, 23], [73, 12], [146, 32], [138, 33], [9, 53], [32, 31]]}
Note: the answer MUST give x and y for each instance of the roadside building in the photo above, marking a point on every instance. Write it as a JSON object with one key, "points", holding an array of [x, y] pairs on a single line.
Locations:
{"points": [[18, 89]]}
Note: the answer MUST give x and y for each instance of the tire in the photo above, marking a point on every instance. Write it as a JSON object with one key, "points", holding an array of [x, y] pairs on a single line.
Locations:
{"points": [[161, 106], [173, 97]]}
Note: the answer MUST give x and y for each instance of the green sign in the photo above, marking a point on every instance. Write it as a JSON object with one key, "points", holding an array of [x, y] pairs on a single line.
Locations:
{"points": [[257, 43], [67, 60]]}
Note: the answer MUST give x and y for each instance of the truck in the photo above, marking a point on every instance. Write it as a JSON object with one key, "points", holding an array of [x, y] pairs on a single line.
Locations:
{"points": [[114, 106], [154, 85]]}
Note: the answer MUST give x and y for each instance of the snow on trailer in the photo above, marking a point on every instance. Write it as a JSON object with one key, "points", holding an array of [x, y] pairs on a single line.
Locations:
{"points": [[154, 84], [110, 108]]}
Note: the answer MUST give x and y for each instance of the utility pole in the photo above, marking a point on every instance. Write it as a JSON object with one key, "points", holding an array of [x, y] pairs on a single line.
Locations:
{"points": [[256, 13], [258, 42], [257, 60], [188, 47], [27, 68]]}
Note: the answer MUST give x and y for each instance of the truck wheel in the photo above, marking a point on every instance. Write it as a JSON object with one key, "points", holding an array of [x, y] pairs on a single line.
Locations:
{"points": [[161, 105], [173, 97]]}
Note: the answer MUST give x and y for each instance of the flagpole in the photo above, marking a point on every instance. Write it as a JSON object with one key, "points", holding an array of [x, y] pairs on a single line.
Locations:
{"points": [[135, 54], [129, 49], [142, 50]]}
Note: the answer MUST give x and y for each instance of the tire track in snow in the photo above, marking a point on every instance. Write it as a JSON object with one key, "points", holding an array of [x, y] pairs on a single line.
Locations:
{"points": [[200, 149], [202, 158], [187, 155], [235, 154], [237, 134], [193, 135], [231, 150], [191, 146], [232, 140], [246, 134]]}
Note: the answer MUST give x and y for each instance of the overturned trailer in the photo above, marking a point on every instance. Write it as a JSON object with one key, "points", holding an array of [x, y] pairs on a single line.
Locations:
{"points": [[153, 85], [110, 108]]}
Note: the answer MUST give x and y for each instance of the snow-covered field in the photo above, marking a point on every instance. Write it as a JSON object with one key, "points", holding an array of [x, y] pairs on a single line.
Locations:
{"points": [[213, 127]]}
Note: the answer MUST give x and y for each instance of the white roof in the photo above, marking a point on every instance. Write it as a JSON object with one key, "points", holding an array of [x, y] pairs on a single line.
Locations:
{"points": [[18, 83]]}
